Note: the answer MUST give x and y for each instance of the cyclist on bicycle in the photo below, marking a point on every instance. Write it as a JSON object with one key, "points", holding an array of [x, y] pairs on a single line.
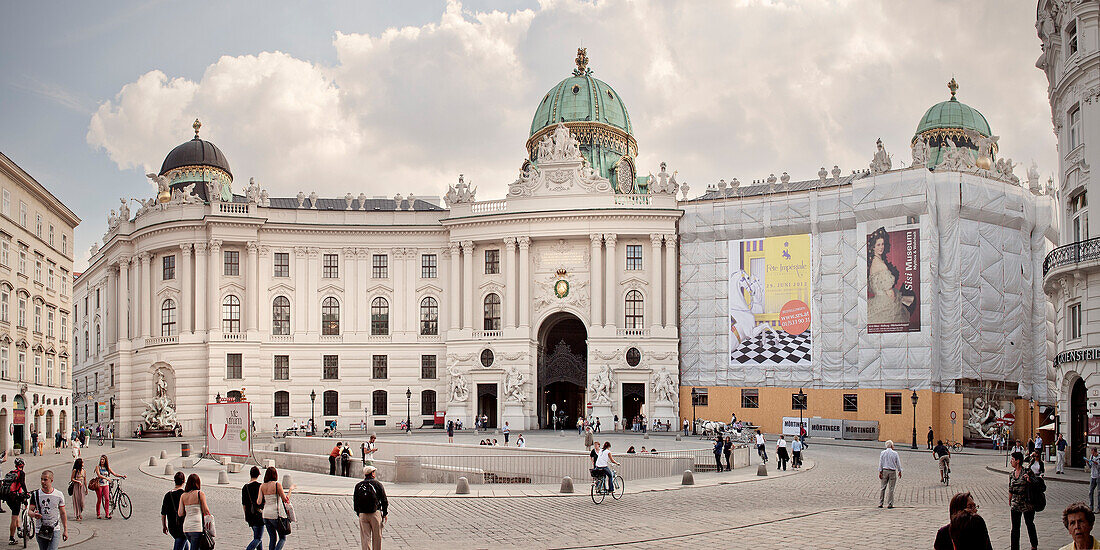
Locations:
{"points": [[604, 460], [943, 455], [15, 492]]}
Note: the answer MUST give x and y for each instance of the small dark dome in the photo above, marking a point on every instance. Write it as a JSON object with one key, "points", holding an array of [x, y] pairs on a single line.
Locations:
{"points": [[196, 152]]}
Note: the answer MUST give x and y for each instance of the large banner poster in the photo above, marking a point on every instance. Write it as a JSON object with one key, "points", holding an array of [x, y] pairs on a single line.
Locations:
{"points": [[893, 281], [227, 428], [769, 297]]}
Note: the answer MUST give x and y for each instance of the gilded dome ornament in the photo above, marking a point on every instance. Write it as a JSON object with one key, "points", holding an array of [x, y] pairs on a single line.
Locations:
{"points": [[582, 63], [196, 126]]}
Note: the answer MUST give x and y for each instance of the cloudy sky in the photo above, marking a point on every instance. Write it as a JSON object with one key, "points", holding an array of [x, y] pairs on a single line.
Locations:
{"points": [[378, 96]]}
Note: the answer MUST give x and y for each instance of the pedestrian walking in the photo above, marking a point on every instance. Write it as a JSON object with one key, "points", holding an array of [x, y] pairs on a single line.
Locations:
{"points": [[170, 522], [345, 461], [102, 481], [1019, 501], [718, 446], [368, 449], [34, 442], [371, 505], [332, 458], [685, 427], [47, 507], [1039, 445], [796, 454], [272, 498], [588, 439], [1060, 449], [971, 533], [506, 431], [597, 430], [781, 452], [1093, 462], [930, 438], [889, 470], [79, 488], [197, 519], [727, 449], [250, 494], [761, 446], [57, 442], [1079, 521]]}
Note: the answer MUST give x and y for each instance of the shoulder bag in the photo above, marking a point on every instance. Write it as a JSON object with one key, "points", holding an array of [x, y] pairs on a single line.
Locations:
{"points": [[45, 532], [282, 523]]}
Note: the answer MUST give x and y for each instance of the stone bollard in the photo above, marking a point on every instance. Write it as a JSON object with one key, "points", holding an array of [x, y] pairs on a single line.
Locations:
{"points": [[566, 484], [152, 461], [169, 470], [287, 481], [762, 470], [463, 486], [689, 478], [223, 477], [163, 454], [646, 436], [678, 438], [223, 460], [270, 463]]}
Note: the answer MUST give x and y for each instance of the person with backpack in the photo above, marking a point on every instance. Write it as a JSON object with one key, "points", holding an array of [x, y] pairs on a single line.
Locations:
{"points": [[345, 460], [450, 431], [47, 507], [1020, 501], [371, 505], [170, 522], [15, 492], [250, 493], [278, 499]]}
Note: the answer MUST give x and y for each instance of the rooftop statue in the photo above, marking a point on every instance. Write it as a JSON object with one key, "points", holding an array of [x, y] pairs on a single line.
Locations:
{"points": [[881, 162]]}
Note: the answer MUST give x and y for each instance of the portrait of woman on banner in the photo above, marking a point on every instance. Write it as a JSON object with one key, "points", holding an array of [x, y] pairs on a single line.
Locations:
{"points": [[887, 301]]}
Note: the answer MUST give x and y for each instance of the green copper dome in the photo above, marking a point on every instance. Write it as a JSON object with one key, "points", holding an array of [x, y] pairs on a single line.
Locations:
{"points": [[581, 98], [952, 120]]}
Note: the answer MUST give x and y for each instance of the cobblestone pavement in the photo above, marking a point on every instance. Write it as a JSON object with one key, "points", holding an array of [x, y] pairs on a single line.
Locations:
{"points": [[830, 506]]}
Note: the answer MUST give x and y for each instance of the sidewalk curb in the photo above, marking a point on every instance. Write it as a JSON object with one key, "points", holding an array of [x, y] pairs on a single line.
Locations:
{"points": [[1046, 477]]}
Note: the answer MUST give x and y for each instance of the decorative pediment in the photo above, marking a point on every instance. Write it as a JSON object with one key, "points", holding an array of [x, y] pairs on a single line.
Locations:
{"points": [[64, 354], [428, 288], [491, 286], [331, 288], [21, 343], [168, 290], [634, 282], [38, 348], [559, 169], [50, 351], [281, 288], [232, 288], [5, 339], [380, 289]]}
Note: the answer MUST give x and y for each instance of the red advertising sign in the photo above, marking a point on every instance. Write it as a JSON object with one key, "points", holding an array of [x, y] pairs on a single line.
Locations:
{"points": [[1094, 430], [20, 416]]}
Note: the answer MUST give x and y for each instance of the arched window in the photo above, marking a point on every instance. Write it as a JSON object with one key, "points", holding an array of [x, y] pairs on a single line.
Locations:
{"points": [[330, 316], [492, 312], [280, 316], [634, 309], [86, 340], [168, 317], [97, 340], [427, 402], [429, 316], [282, 403], [330, 403], [231, 314], [379, 316], [379, 400]]}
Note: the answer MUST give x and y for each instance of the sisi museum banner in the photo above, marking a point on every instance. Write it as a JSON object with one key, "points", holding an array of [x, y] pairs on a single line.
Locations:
{"points": [[769, 297], [893, 281]]}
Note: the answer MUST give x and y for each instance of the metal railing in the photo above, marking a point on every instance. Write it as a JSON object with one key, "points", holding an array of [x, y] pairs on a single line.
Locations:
{"points": [[549, 468], [1080, 251]]}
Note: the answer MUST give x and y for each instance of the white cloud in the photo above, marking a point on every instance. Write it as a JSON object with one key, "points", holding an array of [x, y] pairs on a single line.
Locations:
{"points": [[717, 90]]}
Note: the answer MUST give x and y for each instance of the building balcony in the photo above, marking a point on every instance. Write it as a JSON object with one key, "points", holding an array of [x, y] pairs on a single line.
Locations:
{"points": [[161, 340], [233, 208], [234, 336], [282, 337], [1079, 255], [632, 332], [487, 334], [378, 338], [332, 337], [428, 338]]}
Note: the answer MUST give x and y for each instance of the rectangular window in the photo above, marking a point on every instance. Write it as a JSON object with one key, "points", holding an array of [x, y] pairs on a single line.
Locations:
{"points": [[1071, 37], [21, 366], [5, 296], [282, 403], [428, 267], [379, 266], [427, 367], [379, 399], [234, 367], [23, 262], [38, 225], [699, 397], [97, 299], [330, 266], [49, 324], [49, 371], [37, 318], [64, 244], [1074, 127], [282, 367], [23, 213], [380, 367], [37, 369], [331, 365], [330, 403], [64, 324], [169, 267], [4, 362], [750, 398], [38, 271], [232, 262], [427, 405], [49, 278], [893, 403], [64, 374], [5, 254], [633, 257], [7, 203], [798, 402], [851, 402], [1074, 319], [51, 235], [22, 320], [492, 261], [282, 264]]}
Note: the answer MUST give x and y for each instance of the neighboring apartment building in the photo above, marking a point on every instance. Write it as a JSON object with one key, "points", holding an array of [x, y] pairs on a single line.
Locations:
{"points": [[1070, 33], [36, 265]]}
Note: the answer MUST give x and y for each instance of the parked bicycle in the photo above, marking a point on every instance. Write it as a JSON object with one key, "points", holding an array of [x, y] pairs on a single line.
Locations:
{"points": [[599, 486], [331, 432], [119, 499]]}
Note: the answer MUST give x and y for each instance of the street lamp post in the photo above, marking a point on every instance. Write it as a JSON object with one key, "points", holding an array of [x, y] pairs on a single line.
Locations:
{"points": [[408, 410], [365, 419], [914, 398], [694, 400], [801, 407], [312, 405]]}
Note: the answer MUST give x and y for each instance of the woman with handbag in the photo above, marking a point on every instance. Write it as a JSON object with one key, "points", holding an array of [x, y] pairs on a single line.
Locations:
{"points": [[78, 487], [194, 511], [275, 513]]}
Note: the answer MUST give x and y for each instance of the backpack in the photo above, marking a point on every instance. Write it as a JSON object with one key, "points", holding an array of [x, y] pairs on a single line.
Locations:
{"points": [[10, 479], [1037, 493], [365, 499]]}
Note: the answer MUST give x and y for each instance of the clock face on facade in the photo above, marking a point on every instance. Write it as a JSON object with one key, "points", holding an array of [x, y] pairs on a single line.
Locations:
{"points": [[561, 288]]}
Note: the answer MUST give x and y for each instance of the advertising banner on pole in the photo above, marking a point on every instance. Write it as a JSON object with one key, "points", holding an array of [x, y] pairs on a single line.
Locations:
{"points": [[893, 281], [769, 297], [227, 428]]}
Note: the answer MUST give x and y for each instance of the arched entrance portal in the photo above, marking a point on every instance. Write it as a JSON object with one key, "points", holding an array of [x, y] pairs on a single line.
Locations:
{"points": [[18, 422], [1078, 423], [562, 370]]}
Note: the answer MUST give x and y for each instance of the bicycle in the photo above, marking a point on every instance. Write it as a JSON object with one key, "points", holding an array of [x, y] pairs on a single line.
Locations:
{"points": [[25, 530], [99, 438], [599, 486], [331, 432], [955, 446], [119, 499]]}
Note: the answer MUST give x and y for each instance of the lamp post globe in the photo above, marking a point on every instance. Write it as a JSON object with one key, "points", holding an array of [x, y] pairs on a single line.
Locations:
{"points": [[914, 398], [408, 410], [312, 403]]}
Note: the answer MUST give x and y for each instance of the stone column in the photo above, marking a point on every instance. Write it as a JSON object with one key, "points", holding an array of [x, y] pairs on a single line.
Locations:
{"points": [[311, 307], [202, 251], [112, 309], [186, 297], [412, 304], [508, 257], [595, 277], [672, 286], [252, 288], [611, 289], [123, 299], [146, 294], [347, 274], [217, 266], [401, 292], [454, 297], [654, 300], [362, 273], [468, 285], [299, 309], [524, 280], [263, 303]]}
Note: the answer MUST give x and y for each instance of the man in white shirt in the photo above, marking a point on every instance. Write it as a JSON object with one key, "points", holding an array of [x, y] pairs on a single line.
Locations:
{"points": [[47, 507], [761, 446], [1039, 445], [368, 450], [889, 470]]}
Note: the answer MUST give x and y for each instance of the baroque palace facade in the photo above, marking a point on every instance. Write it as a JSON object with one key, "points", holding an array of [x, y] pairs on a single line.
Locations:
{"points": [[587, 290]]}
